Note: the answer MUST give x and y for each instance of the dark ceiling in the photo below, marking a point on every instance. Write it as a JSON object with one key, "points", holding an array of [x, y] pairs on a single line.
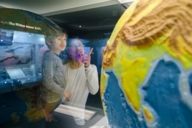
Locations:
{"points": [[76, 17], [97, 19]]}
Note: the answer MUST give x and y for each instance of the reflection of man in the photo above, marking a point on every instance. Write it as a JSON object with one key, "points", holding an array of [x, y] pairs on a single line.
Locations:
{"points": [[81, 76]]}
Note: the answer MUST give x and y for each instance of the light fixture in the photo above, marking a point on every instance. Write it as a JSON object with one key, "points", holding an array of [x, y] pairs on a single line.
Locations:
{"points": [[125, 1], [75, 111]]}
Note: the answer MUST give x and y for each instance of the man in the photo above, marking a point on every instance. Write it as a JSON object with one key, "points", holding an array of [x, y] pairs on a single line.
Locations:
{"points": [[81, 76]]}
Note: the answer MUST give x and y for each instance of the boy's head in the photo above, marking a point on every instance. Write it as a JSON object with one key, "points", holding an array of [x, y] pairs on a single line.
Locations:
{"points": [[57, 42]]}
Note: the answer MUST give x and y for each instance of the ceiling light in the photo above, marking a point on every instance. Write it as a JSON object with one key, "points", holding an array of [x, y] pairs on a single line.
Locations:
{"points": [[125, 1]]}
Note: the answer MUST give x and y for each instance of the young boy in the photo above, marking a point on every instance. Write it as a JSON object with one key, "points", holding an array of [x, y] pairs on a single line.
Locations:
{"points": [[53, 75]]}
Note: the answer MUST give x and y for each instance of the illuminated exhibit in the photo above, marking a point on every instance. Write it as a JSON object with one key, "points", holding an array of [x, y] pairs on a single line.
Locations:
{"points": [[147, 66], [22, 45]]}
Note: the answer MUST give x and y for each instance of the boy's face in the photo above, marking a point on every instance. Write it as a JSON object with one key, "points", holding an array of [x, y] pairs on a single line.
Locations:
{"points": [[60, 43]]}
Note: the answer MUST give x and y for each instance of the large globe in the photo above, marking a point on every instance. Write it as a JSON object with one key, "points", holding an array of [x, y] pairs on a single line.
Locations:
{"points": [[146, 77]]}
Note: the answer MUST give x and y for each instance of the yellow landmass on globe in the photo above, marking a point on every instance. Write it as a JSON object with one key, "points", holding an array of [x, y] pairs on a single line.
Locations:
{"points": [[148, 30], [148, 115]]}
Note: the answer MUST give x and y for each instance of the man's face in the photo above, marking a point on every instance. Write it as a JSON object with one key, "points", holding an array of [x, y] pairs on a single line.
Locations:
{"points": [[76, 50]]}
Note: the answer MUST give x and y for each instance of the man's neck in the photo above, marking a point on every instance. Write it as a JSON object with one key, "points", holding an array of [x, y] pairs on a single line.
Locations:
{"points": [[75, 64]]}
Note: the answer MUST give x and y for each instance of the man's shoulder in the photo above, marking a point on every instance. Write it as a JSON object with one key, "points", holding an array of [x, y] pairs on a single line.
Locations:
{"points": [[93, 65]]}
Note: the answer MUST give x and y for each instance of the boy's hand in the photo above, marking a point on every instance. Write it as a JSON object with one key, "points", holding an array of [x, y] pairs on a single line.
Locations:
{"points": [[67, 95]]}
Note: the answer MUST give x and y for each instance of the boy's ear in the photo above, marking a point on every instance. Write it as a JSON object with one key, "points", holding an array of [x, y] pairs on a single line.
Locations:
{"points": [[49, 43]]}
